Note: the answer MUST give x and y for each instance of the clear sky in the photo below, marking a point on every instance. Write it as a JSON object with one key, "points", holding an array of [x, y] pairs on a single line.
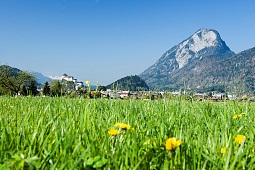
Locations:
{"points": [[104, 40]]}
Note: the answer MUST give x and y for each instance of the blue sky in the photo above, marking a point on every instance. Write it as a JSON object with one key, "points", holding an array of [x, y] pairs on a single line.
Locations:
{"points": [[104, 40]]}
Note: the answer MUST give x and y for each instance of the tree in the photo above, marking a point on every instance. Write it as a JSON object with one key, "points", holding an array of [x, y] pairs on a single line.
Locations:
{"points": [[131, 83], [101, 88], [23, 90], [3, 91], [11, 79], [55, 88], [67, 86], [46, 89], [32, 89]]}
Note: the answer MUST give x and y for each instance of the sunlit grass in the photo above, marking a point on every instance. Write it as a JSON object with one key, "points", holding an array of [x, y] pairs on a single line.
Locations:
{"points": [[61, 133]]}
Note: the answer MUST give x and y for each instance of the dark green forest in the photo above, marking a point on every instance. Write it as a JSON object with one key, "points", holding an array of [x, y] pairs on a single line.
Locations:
{"points": [[131, 83]]}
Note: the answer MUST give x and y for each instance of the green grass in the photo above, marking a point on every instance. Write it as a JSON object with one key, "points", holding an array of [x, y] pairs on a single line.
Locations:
{"points": [[61, 133]]}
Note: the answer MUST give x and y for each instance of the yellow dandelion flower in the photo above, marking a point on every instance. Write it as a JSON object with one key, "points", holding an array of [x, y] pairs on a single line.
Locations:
{"points": [[117, 124], [239, 115], [235, 117], [113, 132], [239, 139], [87, 82], [172, 143], [122, 126], [223, 150]]}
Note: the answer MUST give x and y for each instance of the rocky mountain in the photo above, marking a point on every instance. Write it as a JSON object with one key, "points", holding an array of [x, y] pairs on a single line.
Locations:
{"points": [[131, 83], [189, 61], [231, 73]]}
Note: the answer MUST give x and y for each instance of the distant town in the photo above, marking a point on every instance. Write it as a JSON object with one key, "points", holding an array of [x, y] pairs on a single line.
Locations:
{"points": [[73, 88]]}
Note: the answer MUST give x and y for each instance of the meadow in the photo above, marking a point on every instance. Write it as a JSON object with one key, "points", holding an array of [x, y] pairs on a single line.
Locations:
{"points": [[65, 133]]}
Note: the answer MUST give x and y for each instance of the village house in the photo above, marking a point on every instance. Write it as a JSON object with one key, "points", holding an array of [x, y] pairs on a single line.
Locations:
{"points": [[219, 96], [79, 84], [124, 94], [200, 96]]}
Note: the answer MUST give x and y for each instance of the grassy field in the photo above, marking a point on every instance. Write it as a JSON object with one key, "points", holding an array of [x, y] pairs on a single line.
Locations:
{"points": [[61, 133]]}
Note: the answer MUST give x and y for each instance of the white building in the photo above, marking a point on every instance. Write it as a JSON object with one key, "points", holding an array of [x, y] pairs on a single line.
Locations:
{"points": [[67, 78], [77, 85]]}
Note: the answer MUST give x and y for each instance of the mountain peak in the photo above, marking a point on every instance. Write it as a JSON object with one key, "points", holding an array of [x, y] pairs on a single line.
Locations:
{"points": [[206, 30], [205, 38], [203, 43], [199, 41]]}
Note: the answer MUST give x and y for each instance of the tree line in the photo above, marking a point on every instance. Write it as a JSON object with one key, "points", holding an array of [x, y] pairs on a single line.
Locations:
{"points": [[16, 82]]}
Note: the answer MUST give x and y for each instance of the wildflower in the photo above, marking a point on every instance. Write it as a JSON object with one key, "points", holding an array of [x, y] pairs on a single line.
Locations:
{"points": [[223, 150], [239, 139], [122, 126], [238, 115], [87, 82], [172, 143], [113, 132], [235, 117]]}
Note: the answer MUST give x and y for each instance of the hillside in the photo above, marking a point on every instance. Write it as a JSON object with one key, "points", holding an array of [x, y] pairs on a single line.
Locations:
{"points": [[40, 78], [203, 61], [13, 71], [203, 43], [131, 83]]}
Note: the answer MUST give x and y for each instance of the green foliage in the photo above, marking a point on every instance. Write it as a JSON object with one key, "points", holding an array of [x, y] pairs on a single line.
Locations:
{"points": [[70, 133], [56, 88], [101, 88], [20, 162], [46, 89], [11, 79], [32, 89], [23, 90], [96, 162], [67, 86], [4, 91], [131, 83]]}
